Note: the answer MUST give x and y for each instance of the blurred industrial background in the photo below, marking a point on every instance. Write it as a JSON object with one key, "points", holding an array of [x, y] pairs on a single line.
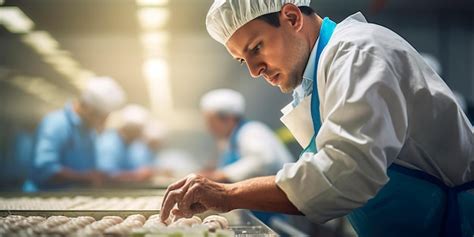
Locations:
{"points": [[160, 53]]}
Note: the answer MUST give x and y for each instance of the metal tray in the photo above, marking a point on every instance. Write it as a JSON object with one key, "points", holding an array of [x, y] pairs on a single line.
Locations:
{"points": [[242, 222]]}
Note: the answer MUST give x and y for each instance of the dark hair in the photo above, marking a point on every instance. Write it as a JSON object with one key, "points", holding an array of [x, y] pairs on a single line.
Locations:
{"points": [[274, 20]]}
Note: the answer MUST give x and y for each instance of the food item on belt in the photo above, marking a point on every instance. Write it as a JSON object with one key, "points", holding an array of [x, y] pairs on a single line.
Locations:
{"points": [[137, 217], [154, 223], [135, 225], [154, 216], [115, 219], [186, 222], [124, 228], [81, 203], [215, 222]]}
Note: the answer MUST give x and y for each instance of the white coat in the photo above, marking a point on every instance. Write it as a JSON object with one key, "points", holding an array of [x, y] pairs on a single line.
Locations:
{"points": [[380, 103]]}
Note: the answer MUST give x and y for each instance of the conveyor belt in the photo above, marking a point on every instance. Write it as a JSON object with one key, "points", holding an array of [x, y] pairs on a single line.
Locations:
{"points": [[77, 206]]}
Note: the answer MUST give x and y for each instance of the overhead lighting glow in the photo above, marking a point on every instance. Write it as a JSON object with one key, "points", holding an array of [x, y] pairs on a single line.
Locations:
{"points": [[15, 20], [155, 68], [42, 42], [152, 18], [82, 77], [156, 72], [158, 39], [40, 88], [61, 61], [154, 43], [152, 2]]}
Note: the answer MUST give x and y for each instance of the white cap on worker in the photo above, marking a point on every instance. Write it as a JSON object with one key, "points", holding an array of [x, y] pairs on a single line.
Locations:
{"points": [[223, 101], [225, 17], [103, 94], [155, 130], [134, 115]]}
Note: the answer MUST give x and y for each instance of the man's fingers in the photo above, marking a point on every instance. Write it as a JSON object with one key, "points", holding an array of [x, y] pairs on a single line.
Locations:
{"points": [[189, 198], [171, 188], [177, 213], [180, 184], [168, 203], [198, 208]]}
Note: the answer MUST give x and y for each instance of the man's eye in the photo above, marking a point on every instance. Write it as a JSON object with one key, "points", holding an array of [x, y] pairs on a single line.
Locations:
{"points": [[257, 48]]}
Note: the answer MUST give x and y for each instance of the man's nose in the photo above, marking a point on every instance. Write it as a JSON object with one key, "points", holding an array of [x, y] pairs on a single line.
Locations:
{"points": [[255, 68]]}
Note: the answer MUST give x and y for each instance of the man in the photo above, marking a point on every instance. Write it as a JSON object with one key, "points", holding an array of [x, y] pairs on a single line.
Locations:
{"points": [[121, 152], [248, 148], [385, 140], [65, 151]]}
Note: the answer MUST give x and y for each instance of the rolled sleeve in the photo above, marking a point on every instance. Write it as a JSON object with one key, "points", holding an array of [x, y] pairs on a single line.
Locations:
{"points": [[365, 123]]}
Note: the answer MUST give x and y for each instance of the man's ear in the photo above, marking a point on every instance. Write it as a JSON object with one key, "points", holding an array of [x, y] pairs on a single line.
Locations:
{"points": [[291, 15]]}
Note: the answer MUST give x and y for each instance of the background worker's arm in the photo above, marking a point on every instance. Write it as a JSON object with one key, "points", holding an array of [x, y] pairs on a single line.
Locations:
{"points": [[66, 175]]}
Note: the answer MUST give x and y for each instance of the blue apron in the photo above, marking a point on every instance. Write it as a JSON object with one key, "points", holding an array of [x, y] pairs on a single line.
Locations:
{"points": [[231, 155], [412, 203]]}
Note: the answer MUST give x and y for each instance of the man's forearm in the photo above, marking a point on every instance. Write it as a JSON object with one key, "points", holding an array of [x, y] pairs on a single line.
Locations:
{"points": [[260, 194]]}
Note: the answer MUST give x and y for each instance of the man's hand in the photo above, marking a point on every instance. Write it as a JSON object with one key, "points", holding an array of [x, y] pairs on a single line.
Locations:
{"points": [[195, 194]]}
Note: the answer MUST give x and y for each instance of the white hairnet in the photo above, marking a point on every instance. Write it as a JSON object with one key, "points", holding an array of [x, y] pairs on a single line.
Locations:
{"points": [[227, 16], [103, 94], [223, 101], [133, 114], [433, 62], [154, 130]]}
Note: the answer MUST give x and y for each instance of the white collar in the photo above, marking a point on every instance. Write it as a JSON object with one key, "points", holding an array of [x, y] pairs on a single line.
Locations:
{"points": [[306, 86]]}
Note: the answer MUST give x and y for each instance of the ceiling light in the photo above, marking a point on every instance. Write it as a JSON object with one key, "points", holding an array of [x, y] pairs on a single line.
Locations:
{"points": [[15, 20], [152, 18], [156, 72], [42, 42], [155, 44], [152, 2]]}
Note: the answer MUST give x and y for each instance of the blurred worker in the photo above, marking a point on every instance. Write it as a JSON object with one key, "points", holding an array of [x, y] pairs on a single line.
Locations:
{"points": [[169, 163], [385, 140], [65, 150], [251, 149], [16, 160], [154, 135], [121, 152]]}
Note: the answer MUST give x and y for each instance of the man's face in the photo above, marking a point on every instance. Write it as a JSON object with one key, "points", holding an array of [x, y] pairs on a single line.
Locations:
{"points": [[94, 118], [279, 54], [131, 132]]}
